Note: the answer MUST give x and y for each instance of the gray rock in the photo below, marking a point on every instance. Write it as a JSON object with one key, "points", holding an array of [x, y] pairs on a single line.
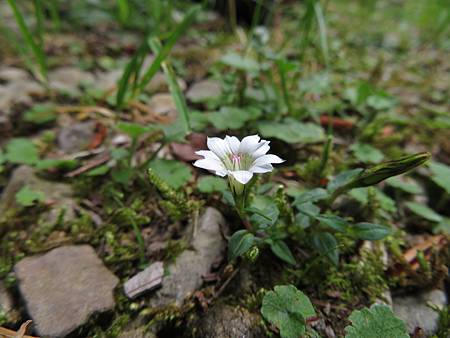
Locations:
{"points": [[137, 333], [224, 321], [185, 275], [108, 80], [67, 80], [9, 74], [163, 107], [204, 90], [159, 84], [64, 287], [144, 281], [76, 137], [59, 193], [415, 312]]}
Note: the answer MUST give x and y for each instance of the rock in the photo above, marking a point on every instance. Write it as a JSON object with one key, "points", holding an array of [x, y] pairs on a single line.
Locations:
{"points": [[67, 80], [159, 84], [204, 90], [224, 321], [137, 333], [59, 193], [163, 107], [64, 287], [108, 80], [415, 312], [10, 74], [76, 137], [146, 280], [6, 300], [185, 275]]}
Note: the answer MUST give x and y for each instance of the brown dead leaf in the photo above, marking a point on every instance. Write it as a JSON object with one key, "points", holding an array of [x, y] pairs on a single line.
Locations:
{"points": [[186, 151], [432, 242], [21, 333]]}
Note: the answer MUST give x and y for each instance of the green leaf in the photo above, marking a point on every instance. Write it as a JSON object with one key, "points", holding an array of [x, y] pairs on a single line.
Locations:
{"points": [[21, 151], [366, 153], [441, 175], [335, 222], [370, 231], [377, 322], [61, 164], [424, 211], [288, 309], [119, 153], [410, 186], [343, 178], [98, 171], [312, 195], [134, 130], [232, 117], [292, 131], [174, 173], [122, 175], [40, 114], [240, 243], [209, 184], [361, 195], [264, 217], [326, 244], [27, 197], [240, 62], [282, 251]]}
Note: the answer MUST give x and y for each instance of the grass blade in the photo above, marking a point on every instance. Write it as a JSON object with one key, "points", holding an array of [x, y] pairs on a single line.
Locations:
{"points": [[322, 31], [175, 91], [165, 50], [35, 48]]}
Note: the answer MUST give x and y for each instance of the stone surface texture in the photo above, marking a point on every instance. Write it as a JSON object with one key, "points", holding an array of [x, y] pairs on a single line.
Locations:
{"points": [[64, 287], [415, 312], [185, 275], [144, 281]]}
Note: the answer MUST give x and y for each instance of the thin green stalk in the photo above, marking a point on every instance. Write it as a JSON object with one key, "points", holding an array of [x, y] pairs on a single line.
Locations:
{"points": [[322, 31], [175, 91], [124, 11], [284, 89], [39, 14], [167, 47], [54, 14], [255, 20], [28, 37], [233, 14]]}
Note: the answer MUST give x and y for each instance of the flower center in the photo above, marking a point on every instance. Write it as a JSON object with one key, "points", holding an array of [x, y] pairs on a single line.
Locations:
{"points": [[237, 162]]}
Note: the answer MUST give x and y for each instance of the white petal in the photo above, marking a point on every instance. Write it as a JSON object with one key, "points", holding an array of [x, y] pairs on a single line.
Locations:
{"points": [[261, 169], [267, 159], [249, 144], [262, 150], [209, 164], [222, 172], [233, 143], [207, 154], [218, 146], [242, 176]]}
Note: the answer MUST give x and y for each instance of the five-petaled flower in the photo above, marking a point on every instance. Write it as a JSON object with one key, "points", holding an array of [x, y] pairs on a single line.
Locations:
{"points": [[238, 160]]}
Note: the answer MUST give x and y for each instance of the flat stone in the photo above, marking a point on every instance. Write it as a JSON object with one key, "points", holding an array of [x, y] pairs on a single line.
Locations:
{"points": [[224, 321], [137, 333], [163, 106], [13, 73], [415, 312], [144, 281], [64, 287], [59, 193], [185, 275], [76, 137], [108, 80], [159, 84], [204, 90], [67, 80]]}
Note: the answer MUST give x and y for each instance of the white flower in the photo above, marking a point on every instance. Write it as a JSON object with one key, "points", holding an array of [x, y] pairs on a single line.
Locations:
{"points": [[238, 160]]}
